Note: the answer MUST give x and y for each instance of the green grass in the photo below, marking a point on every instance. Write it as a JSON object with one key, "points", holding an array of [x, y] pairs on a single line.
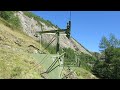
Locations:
{"points": [[15, 60], [17, 65]]}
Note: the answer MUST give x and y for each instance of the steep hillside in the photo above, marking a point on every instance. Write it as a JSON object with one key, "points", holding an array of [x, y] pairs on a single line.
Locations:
{"points": [[19, 50]]}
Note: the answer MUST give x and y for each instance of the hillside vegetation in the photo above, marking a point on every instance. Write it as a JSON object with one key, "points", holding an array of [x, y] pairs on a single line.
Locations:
{"points": [[108, 66]]}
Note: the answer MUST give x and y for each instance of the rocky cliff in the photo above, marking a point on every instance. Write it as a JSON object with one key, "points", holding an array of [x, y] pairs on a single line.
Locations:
{"points": [[30, 26]]}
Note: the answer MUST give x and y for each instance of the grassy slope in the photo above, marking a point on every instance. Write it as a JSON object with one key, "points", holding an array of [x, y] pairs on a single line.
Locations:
{"points": [[15, 59]]}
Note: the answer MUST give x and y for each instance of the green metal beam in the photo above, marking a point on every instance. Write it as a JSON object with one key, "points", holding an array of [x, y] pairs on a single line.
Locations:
{"points": [[51, 31]]}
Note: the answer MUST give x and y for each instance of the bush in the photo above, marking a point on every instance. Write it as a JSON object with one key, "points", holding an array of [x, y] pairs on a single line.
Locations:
{"points": [[11, 18], [86, 61], [73, 58], [16, 72]]}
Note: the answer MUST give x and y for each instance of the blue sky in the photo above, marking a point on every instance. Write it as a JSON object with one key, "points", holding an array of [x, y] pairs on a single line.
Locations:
{"points": [[88, 27]]}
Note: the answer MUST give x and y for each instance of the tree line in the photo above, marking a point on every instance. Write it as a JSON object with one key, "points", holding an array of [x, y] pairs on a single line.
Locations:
{"points": [[108, 65]]}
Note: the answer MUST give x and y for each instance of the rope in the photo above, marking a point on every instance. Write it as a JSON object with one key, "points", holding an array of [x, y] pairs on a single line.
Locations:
{"points": [[70, 15], [53, 38], [43, 59]]}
